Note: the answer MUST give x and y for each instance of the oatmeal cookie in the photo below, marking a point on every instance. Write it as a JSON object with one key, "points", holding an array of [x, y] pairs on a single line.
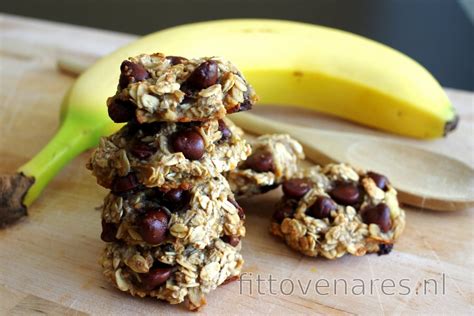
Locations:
{"points": [[167, 155], [334, 210], [274, 158], [159, 88], [171, 275], [197, 216]]}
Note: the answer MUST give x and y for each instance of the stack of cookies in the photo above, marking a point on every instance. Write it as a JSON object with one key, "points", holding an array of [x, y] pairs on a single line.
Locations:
{"points": [[170, 221]]}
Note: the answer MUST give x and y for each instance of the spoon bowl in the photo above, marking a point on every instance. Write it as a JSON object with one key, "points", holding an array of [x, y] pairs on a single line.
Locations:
{"points": [[423, 178]]}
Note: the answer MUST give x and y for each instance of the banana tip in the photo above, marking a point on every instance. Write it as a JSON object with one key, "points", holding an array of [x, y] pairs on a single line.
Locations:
{"points": [[13, 189], [451, 125]]}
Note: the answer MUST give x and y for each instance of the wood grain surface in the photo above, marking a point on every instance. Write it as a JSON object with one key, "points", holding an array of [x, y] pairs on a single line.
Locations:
{"points": [[48, 262]]}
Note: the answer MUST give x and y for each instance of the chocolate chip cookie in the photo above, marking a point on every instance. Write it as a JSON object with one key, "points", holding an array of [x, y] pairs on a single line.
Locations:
{"points": [[196, 216], [334, 210], [167, 155], [169, 274], [159, 88]]}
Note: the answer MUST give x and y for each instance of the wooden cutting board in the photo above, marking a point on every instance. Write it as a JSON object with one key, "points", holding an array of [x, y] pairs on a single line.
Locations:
{"points": [[48, 262]]}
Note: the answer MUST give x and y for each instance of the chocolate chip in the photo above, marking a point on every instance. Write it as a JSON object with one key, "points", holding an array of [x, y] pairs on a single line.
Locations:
{"points": [[174, 60], [188, 99], [121, 111], [155, 278], [142, 150], [190, 94], [189, 142], [267, 188], [175, 195], [126, 183], [109, 231], [153, 226], [225, 131], [205, 75], [151, 128], [322, 207], [345, 193], [131, 72], [385, 249], [379, 215], [176, 199], [260, 161], [380, 180], [240, 210], [282, 212], [124, 80], [296, 188], [232, 240], [131, 129]]}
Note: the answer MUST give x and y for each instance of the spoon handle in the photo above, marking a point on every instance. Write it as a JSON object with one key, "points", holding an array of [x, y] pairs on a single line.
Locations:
{"points": [[320, 146]]}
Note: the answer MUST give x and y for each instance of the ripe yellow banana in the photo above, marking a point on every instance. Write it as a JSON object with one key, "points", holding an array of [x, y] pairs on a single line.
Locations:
{"points": [[304, 65], [288, 63]]}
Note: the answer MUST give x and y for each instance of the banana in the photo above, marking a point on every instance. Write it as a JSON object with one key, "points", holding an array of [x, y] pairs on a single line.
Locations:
{"points": [[288, 63], [309, 66]]}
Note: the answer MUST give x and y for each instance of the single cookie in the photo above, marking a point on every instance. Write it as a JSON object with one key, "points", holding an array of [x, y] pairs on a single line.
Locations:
{"points": [[273, 159], [335, 210], [159, 88], [167, 155], [171, 275], [197, 216]]}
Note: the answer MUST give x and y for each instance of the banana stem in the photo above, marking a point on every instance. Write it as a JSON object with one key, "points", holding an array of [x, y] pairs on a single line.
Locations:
{"points": [[70, 140]]}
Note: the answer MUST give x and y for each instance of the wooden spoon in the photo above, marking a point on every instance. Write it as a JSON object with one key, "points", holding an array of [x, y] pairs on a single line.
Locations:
{"points": [[423, 178]]}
